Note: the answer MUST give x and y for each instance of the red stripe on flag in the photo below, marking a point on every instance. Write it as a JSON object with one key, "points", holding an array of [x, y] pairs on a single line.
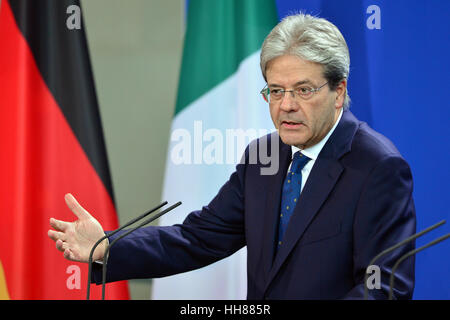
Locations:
{"points": [[40, 161]]}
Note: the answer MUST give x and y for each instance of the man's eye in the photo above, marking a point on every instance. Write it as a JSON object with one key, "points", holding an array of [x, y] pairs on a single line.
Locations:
{"points": [[304, 90], [275, 92]]}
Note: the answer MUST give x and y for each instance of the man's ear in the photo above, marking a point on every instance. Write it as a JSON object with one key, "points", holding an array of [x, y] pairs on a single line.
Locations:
{"points": [[341, 90]]}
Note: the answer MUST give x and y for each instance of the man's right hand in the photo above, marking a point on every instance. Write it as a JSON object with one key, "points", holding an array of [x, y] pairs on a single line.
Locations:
{"points": [[77, 238]]}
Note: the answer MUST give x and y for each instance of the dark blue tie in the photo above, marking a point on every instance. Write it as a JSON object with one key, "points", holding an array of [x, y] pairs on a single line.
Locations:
{"points": [[291, 192]]}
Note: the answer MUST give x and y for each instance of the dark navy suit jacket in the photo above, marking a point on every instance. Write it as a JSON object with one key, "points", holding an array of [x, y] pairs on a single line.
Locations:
{"points": [[356, 202]]}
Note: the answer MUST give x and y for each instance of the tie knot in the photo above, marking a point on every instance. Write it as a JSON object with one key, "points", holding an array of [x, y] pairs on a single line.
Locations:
{"points": [[299, 162]]}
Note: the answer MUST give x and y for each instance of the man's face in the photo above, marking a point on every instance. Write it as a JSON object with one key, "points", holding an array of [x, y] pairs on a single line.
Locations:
{"points": [[302, 123]]}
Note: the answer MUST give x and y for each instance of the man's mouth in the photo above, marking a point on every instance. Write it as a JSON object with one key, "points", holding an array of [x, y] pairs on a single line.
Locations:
{"points": [[291, 124]]}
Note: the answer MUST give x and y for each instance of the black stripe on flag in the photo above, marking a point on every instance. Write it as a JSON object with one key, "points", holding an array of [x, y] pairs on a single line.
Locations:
{"points": [[62, 57]]}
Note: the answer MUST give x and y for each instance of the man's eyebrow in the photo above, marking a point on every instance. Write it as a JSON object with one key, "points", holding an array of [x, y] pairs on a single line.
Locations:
{"points": [[305, 81]]}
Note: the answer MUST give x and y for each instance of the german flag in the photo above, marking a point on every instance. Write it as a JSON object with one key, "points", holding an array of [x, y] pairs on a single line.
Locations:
{"points": [[51, 143]]}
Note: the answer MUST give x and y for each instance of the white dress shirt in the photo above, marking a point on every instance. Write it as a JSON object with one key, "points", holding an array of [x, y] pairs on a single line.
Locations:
{"points": [[312, 153]]}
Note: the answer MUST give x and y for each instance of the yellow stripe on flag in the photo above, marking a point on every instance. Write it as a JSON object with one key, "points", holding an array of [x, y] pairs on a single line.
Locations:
{"points": [[3, 288]]}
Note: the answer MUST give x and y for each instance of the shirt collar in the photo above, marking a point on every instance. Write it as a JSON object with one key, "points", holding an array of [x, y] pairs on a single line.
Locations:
{"points": [[313, 151]]}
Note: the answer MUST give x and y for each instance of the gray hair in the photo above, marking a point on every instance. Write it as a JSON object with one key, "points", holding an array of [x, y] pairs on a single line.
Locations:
{"points": [[312, 39]]}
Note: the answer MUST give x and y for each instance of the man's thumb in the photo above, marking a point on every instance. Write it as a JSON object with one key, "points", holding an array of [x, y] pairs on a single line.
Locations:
{"points": [[76, 208]]}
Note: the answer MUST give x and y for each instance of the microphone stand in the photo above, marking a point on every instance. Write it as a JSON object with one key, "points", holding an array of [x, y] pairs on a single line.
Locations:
{"points": [[407, 255], [106, 256], [111, 234], [390, 249]]}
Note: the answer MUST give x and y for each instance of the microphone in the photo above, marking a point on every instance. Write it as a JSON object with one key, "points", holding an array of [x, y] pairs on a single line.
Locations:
{"points": [[390, 249], [105, 262], [111, 234], [407, 255]]}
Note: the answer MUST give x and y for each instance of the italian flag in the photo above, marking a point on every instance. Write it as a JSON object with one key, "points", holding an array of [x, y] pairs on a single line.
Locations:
{"points": [[217, 108]]}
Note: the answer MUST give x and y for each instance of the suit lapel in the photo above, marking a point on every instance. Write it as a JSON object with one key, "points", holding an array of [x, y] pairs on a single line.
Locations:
{"points": [[321, 181]]}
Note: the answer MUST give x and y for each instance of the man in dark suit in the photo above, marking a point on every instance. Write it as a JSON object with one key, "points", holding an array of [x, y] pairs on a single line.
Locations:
{"points": [[342, 192]]}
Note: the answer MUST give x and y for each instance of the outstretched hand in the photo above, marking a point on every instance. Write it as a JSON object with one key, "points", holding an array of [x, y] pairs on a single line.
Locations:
{"points": [[76, 239]]}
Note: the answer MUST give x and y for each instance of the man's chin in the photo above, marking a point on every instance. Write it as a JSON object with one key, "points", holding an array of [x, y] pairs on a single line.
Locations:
{"points": [[291, 140]]}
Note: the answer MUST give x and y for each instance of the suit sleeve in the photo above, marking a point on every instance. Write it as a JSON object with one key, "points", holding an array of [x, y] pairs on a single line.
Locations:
{"points": [[385, 216], [208, 235]]}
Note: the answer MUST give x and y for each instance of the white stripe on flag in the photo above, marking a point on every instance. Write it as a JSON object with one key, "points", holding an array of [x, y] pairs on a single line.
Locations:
{"points": [[234, 104]]}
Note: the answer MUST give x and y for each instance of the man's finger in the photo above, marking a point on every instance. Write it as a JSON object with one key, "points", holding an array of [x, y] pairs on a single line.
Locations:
{"points": [[56, 235], [59, 225], [60, 245], [76, 208], [69, 255]]}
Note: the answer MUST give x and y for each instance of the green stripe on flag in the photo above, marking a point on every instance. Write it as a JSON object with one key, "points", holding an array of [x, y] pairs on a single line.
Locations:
{"points": [[219, 35]]}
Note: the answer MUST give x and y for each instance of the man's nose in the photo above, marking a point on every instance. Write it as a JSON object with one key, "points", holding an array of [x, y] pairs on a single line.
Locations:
{"points": [[288, 102]]}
